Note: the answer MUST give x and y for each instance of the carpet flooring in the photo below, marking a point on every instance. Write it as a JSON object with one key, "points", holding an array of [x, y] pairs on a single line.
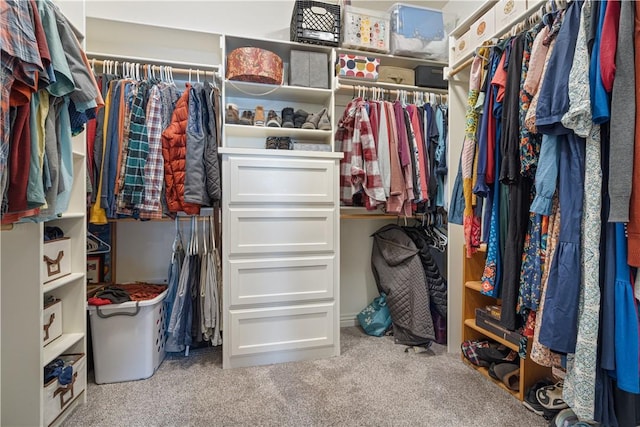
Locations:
{"points": [[374, 382]]}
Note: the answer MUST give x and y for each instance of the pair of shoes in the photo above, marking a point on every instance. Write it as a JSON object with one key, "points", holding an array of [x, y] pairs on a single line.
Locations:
{"points": [[531, 400], [287, 117], [497, 354], [232, 114], [279, 143], [319, 120], [273, 120], [246, 118], [507, 373], [550, 397]]}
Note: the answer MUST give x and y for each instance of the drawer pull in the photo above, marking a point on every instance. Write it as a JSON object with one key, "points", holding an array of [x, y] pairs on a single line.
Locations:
{"points": [[53, 265], [48, 325]]}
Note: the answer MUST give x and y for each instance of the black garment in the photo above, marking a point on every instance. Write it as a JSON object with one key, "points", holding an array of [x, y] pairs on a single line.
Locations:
{"points": [[436, 284], [627, 408], [510, 138], [519, 187]]}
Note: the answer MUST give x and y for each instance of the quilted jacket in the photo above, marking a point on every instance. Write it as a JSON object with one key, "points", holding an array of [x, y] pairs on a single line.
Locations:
{"points": [[398, 272], [436, 284], [174, 150]]}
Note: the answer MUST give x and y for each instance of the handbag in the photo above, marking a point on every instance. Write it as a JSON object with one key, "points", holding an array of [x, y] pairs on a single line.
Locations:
{"points": [[375, 319]]}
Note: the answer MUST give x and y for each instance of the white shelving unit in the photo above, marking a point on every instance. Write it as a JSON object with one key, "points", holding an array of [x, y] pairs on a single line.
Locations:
{"points": [[23, 295]]}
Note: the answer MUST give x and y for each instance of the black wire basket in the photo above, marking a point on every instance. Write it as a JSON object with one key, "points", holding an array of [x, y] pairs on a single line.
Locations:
{"points": [[315, 22]]}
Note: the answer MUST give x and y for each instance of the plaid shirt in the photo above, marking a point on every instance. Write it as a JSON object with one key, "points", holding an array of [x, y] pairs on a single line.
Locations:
{"points": [[359, 169], [154, 168], [20, 60], [137, 152]]}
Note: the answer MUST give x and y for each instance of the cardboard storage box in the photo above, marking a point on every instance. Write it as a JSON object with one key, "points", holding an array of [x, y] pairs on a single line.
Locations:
{"points": [[58, 397], [506, 12], [56, 261], [483, 28], [309, 69], [418, 31], [462, 46], [358, 66], [52, 321], [396, 75], [366, 29]]}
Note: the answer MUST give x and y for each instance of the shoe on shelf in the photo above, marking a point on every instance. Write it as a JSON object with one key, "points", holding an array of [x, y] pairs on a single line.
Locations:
{"points": [[299, 117], [232, 114], [272, 143], [313, 120], [273, 120], [325, 121], [285, 143], [531, 400], [246, 118], [287, 117], [258, 119]]}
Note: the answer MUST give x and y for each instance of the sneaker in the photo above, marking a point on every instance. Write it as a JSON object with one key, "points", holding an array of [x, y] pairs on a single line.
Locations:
{"points": [[285, 143], [258, 119], [299, 117], [273, 120], [287, 117], [550, 397], [272, 143], [531, 402]]}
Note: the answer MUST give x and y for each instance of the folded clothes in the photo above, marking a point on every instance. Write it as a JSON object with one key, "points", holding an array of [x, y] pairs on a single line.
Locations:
{"points": [[57, 369], [98, 301], [114, 294]]}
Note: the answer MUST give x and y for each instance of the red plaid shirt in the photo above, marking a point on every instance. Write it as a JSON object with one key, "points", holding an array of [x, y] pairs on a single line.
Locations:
{"points": [[359, 169]]}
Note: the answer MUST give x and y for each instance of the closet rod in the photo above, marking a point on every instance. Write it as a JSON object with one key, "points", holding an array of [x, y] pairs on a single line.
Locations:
{"points": [[409, 89], [157, 67], [461, 67]]}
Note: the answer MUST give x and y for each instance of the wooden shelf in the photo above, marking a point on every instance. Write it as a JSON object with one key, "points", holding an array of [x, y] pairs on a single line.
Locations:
{"points": [[58, 346], [64, 280], [485, 372], [476, 285], [471, 323]]}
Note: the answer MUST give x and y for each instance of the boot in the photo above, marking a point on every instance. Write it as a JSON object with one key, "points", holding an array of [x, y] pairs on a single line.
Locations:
{"points": [[325, 121], [232, 115], [273, 120], [258, 119], [313, 119], [246, 118], [299, 117], [287, 117]]}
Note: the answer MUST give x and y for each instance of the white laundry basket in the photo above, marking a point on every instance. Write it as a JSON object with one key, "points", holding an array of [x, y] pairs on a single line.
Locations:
{"points": [[128, 339]]}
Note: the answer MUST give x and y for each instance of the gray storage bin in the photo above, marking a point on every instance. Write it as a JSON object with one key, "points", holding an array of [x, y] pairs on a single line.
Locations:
{"points": [[309, 69]]}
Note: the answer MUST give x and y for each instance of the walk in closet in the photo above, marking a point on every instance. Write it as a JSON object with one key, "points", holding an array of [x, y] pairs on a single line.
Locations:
{"points": [[296, 264]]}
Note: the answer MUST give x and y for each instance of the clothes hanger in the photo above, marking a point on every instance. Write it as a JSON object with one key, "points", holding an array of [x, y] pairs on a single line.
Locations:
{"points": [[96, 245]]}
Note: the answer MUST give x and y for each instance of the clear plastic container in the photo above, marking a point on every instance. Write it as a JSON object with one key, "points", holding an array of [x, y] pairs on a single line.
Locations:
{"points": [[366, 29], [418, 32]]}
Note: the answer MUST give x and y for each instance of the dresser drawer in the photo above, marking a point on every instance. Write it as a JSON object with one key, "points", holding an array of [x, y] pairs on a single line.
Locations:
{"points": [[257, 281], [280, 230], [281, 328], [277, 180]]}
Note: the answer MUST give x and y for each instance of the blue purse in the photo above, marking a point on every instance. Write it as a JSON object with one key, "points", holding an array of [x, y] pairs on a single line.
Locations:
{"points": [[375, 319]]}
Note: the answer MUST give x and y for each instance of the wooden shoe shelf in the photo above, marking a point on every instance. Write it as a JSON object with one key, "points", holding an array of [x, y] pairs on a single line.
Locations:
{"points": [[530, 372]]}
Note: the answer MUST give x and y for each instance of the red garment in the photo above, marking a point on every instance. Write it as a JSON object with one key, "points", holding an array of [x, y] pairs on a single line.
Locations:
{"points": [[19, 160], [174, 152], [609, 43], [41, 39], [422, 156], [98, 301], [395, 202]]}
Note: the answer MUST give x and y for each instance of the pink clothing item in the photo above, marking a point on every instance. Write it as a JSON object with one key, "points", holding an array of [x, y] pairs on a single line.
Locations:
{"points": [[397, 193], [608, 44], [359, 168], [422, 155], [536, 62]]}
